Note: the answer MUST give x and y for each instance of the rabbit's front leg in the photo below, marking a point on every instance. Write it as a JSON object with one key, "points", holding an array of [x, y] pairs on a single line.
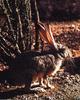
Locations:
{"points": [[55, 71], [57, 67]]}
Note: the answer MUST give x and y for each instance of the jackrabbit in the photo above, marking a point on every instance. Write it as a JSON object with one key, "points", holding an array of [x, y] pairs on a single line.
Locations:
{"points": [[39, 66], [48, 65]]}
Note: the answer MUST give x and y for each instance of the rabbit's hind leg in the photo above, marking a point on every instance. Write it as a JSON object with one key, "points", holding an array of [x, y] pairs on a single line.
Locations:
{"points": [[47, 83], [41, 82]]}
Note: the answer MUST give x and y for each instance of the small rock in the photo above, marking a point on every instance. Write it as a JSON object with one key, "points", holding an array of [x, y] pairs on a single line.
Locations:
{"points": [[8, 86]]}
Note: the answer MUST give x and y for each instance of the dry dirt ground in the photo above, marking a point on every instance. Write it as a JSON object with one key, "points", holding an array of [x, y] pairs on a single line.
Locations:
{"points": [[66, 81]]}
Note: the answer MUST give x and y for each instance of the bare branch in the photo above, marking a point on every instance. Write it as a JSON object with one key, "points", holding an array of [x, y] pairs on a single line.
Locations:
{"points": [[4, 50], [8, 18], [20, 25], [36, 20], [8, 6], [28, 16]]}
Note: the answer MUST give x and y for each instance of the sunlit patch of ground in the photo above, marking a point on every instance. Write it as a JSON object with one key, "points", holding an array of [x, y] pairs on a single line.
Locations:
{"points": [[68, 33], [65, 27]]}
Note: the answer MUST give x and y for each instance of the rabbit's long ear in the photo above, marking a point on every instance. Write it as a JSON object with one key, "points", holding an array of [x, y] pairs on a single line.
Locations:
{"points": [[42, 31], [44, 34], [52, 38], [47, 35]]}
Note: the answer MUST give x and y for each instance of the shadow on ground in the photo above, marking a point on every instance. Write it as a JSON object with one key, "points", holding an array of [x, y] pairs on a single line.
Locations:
{"points": [[13, 93], [75, 67]]}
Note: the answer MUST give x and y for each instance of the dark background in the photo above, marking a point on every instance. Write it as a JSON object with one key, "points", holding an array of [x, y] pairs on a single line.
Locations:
{"points": [[59, 9]]}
